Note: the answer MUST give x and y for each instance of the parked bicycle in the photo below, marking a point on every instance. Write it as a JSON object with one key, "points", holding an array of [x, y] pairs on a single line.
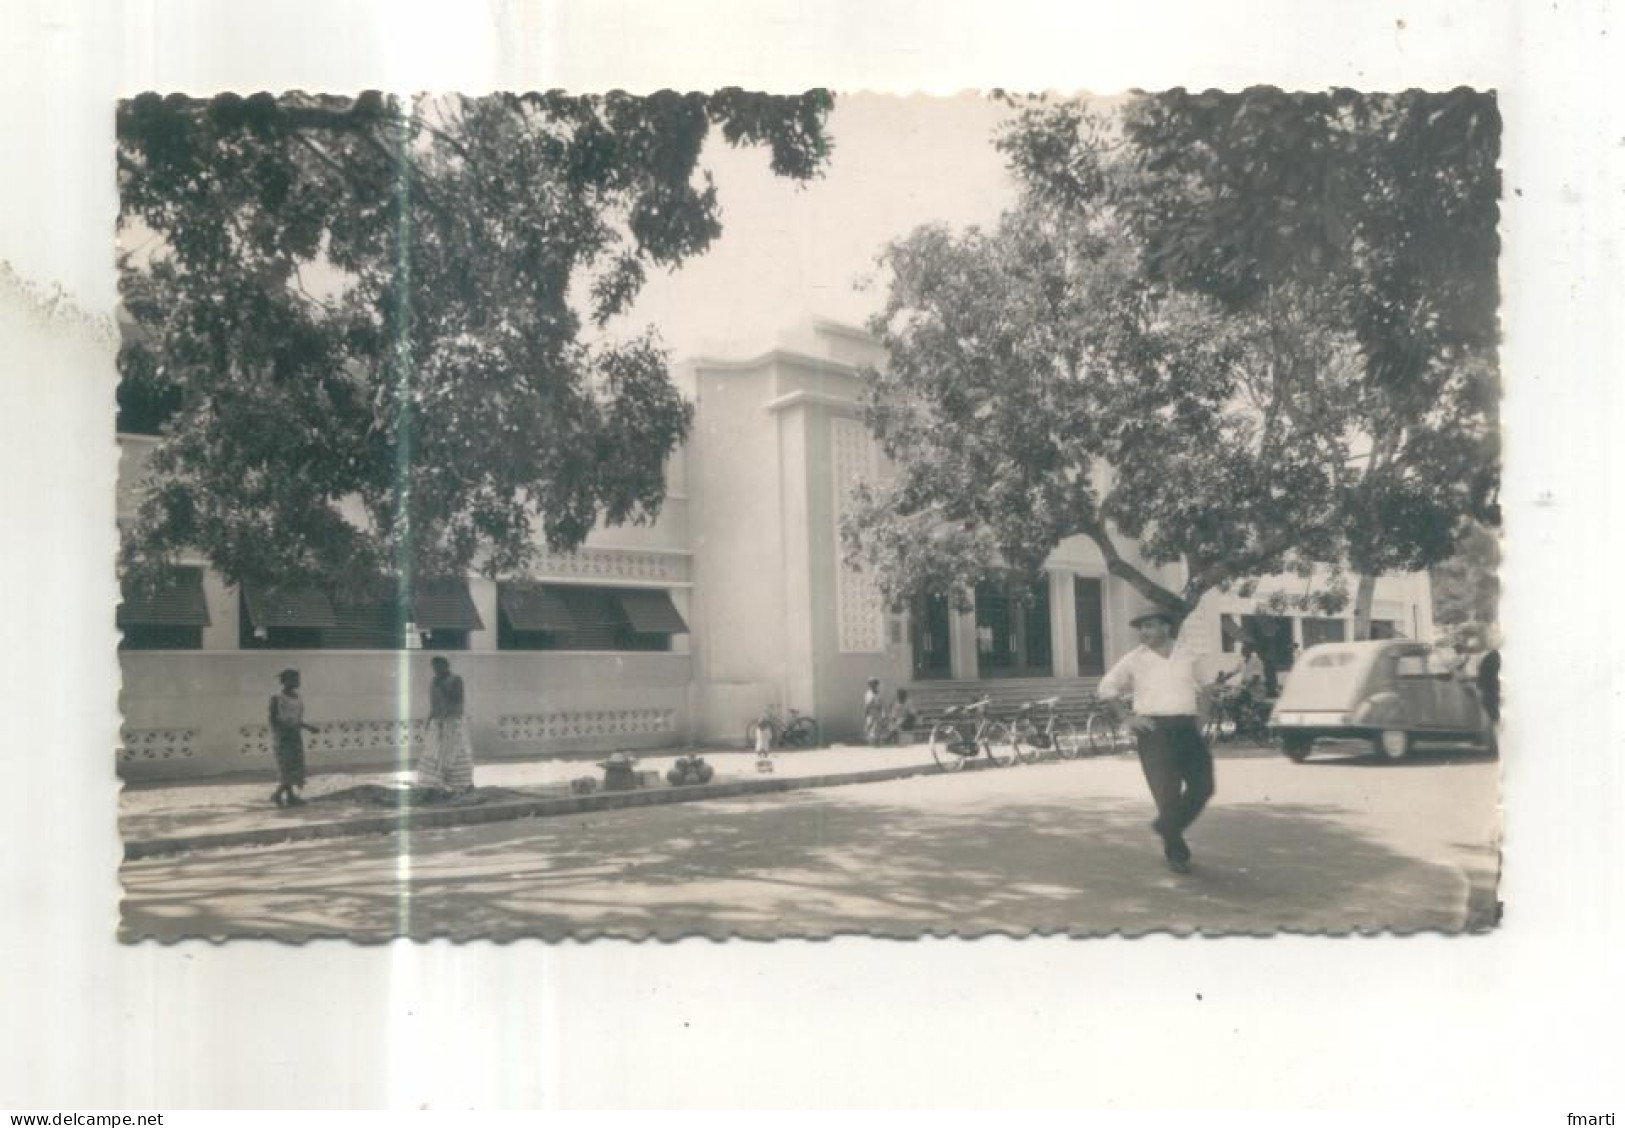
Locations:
{"points": [[965, 732], [1236, 713], [797, 731], [1102, 730], [1029, 738]]}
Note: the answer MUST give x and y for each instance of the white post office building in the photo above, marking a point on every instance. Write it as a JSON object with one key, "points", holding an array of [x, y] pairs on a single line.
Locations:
{"points": [[662, 636]]}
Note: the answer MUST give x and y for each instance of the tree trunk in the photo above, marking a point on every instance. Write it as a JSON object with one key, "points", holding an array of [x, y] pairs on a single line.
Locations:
{"points": [[1149, 590], [1363, 595]]}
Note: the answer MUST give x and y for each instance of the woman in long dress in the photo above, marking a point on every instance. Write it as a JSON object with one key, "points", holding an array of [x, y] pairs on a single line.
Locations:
{"points": [[448, 758]]}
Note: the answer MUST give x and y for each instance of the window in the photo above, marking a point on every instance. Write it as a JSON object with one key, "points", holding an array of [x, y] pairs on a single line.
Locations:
{"points": [[1270, 635], [290, 618], [530, 617], [373, 621], [1385, 628], [571, 617], [1317, 631], [445, 614], [1411, 666], [169, 614], [371, 618], [149, 636]]}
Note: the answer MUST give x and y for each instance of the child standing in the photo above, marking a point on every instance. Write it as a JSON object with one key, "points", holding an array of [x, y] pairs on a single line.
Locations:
{"points": [[288, 730], [764, 741], [873, 712]]}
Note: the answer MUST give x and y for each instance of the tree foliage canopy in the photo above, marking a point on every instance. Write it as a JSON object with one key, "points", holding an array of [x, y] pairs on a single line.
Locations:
{"points": [[367, 303], [1254, 332], [1466, 590]]}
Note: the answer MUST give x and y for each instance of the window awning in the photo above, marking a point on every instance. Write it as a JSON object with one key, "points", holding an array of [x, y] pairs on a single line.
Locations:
{"points": [[532, 607], [652, 612], [445, 605], [363, 625], [177, 601], [289, 607]]}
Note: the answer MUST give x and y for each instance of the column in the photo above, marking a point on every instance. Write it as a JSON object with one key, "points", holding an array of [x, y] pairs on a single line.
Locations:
{"points": [[1063, 623], [962, 646]]}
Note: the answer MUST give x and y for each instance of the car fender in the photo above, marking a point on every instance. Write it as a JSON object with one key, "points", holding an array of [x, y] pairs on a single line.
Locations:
{"points": [[1383, 709]]}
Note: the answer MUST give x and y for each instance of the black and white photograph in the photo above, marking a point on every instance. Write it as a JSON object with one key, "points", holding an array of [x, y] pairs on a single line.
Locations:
{"points": [[683, 555], [737, 514]]}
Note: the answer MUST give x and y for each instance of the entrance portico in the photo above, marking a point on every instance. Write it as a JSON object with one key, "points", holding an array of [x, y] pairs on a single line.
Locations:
{"points": [[1057, 630]]}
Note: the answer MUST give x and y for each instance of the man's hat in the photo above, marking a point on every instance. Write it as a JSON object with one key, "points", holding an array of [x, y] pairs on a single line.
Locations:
{"points": [[290, 672], [1149, 612]]}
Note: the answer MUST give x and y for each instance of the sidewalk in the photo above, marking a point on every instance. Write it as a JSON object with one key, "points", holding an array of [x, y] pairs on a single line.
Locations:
{"points": [[192, 816], [157, 820]]}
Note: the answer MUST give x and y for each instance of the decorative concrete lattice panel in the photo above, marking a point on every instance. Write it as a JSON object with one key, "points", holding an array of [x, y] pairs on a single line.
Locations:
{"points": [[157, 744], [609, 564], [340, 738], [544, 727], [860, 612]]}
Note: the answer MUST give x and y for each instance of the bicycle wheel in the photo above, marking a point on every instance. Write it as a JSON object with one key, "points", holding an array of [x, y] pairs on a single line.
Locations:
{"points": [[1101, 733], [996, 742], [1065, 740], [1220, 726], [1024, 740], [945, 740], [801, 733]]}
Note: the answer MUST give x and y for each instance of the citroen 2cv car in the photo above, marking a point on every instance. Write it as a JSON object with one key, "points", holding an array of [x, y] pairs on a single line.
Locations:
{"points": [[1394, 693]]}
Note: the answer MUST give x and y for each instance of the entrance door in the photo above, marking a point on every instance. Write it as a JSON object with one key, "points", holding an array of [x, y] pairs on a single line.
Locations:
{"points": [[1012, 635], [929, 624], [1091, 620]]}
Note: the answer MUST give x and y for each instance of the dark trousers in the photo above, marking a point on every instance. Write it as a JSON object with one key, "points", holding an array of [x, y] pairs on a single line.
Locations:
{"points": [[1179, 768]]}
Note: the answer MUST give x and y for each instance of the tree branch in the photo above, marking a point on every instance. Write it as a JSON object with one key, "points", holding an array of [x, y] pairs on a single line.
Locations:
{"points": [[1216, 574], [1121, 569]]}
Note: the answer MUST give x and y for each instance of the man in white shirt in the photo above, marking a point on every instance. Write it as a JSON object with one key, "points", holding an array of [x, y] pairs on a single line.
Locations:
{"points": [[1159, 679]]}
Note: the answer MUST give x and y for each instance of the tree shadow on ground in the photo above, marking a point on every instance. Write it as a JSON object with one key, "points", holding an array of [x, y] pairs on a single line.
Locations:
{"points": [[324, 807], [813, 864]]}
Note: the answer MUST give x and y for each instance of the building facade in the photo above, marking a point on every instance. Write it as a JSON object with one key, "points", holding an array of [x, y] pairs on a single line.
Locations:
{"points": [[672, 634]]}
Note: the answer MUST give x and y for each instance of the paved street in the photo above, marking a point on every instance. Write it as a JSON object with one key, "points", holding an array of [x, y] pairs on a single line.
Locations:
{"points": [[1337, 844]]}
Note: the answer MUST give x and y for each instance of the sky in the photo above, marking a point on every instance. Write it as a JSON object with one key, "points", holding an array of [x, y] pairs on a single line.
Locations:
{"points": [[790, 251]]}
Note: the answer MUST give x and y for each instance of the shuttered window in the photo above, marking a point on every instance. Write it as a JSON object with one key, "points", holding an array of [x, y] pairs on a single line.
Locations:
{"points": [[575, 617], [371, 618], [169, 614]]}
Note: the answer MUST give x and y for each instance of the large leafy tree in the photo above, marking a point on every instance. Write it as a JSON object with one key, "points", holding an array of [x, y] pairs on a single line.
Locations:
{"points": [[1466, 590], [374, 331], [1381, 209], [1040, 387], [1254, 332]]}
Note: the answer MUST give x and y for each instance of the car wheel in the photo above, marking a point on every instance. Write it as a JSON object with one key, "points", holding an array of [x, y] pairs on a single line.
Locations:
{"points": [[1393, 744], [1296, 748]]}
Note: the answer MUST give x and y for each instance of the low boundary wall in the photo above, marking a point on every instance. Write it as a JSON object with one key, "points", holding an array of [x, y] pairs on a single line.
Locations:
{"points": [[193, 714]]}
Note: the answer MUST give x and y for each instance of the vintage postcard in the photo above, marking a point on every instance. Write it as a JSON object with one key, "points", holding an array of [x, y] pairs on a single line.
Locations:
{"points": [[572, 515]]}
